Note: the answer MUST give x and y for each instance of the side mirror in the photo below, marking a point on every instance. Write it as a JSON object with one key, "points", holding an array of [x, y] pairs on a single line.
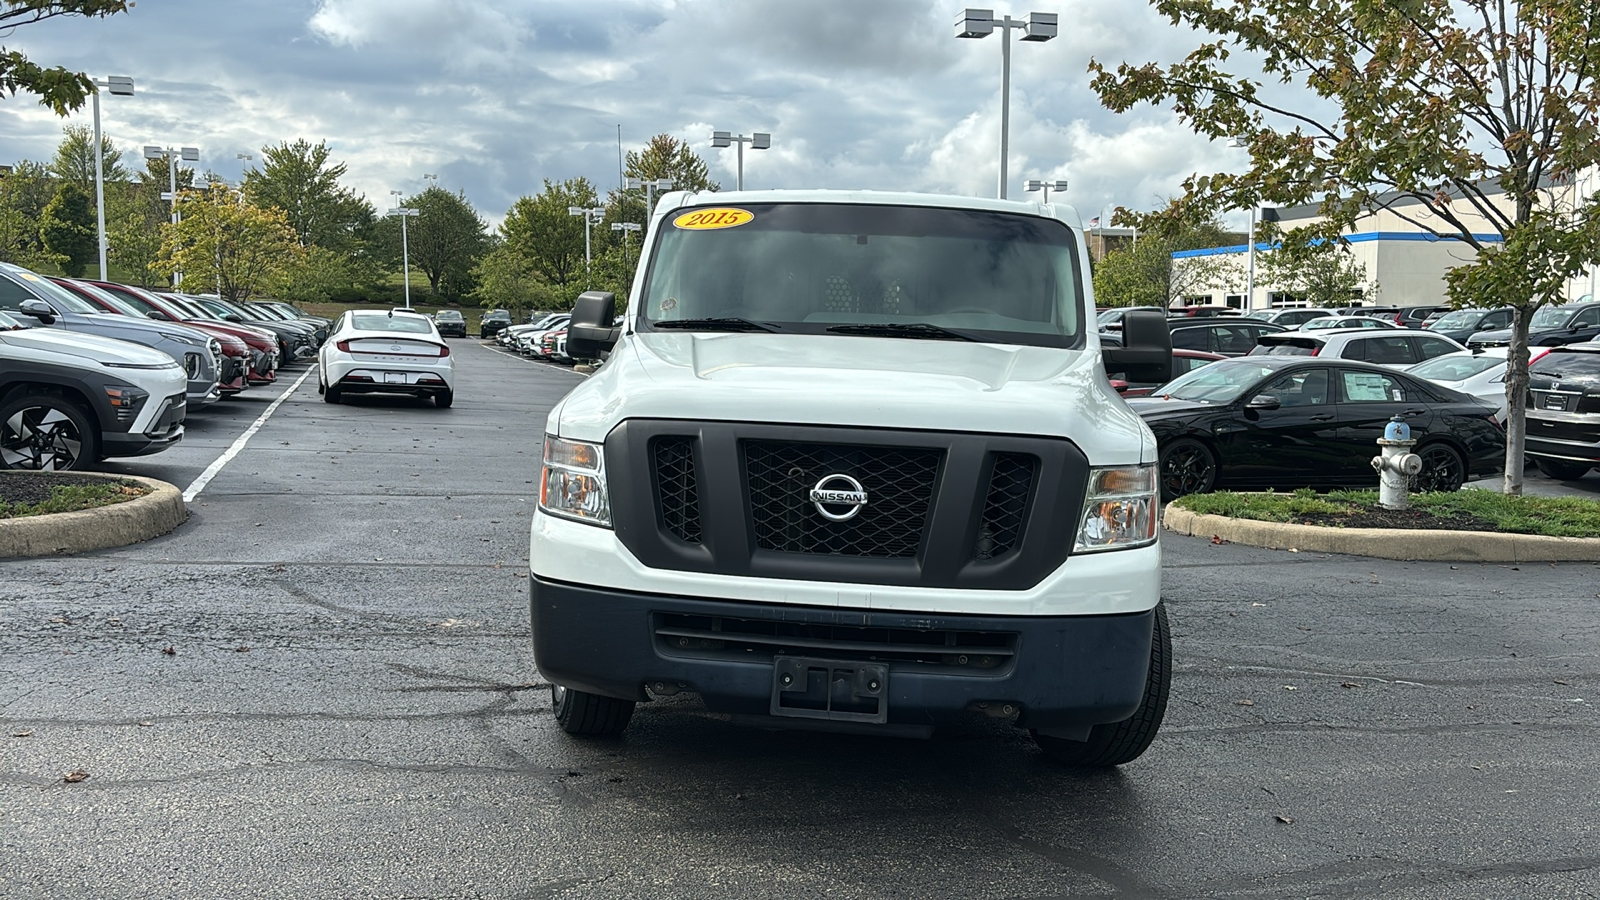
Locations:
{"points": [[1263, 401], [157, 314], [38, 309], [1146, 352], [230, 317], [590, 331]]}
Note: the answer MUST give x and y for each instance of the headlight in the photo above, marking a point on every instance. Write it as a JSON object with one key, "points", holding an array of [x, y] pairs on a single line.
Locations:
{"points": [[1120, 509], [573, 483]]}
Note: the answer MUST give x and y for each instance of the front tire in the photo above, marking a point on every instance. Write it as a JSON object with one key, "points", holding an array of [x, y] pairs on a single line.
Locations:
{"points": [[1563, 470], [1443, 469], [1122, 742], [1187, 467], [589, 715], [47, 432]]}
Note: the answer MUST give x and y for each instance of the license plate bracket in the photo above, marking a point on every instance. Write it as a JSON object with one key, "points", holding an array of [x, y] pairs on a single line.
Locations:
{"points": [[394, 378], [833, 689]]}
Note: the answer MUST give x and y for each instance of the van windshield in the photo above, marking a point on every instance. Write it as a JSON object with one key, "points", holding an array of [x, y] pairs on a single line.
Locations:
{"points": [[888, 271]]}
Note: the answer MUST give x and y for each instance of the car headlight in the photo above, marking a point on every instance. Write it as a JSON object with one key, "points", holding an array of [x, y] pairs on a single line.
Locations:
{"points": [[573, 483], [1120, 509]]}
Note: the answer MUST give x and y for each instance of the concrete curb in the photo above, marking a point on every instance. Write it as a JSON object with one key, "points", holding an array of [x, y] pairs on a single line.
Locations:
{"points": [[118, 525], [1386, 543]]}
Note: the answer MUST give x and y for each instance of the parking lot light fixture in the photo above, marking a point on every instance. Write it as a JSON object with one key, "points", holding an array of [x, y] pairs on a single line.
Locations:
{"points": [[1046, 186], [625, 227], [403, 213], [591, 214], [119, 86], [650, 188], [980, 23], [172, 155], [760, 140]]}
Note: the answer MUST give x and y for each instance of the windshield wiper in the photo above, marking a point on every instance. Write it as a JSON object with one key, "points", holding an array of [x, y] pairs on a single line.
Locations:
{"points": [[716, 324], [909, 330]]}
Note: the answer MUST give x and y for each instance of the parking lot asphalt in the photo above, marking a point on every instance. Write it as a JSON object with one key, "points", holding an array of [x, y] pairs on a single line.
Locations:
{"points": [[323, 686]]}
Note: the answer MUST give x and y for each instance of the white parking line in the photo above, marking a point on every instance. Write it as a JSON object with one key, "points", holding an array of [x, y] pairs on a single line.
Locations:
{"points": [[211, 471]]}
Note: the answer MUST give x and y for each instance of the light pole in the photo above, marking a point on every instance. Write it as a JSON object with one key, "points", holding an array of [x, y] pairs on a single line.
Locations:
{"points": [[1046, 186], [625, 227], [979, 23], [405, 249], [172, 155], [757, 141], [650, 188], [120, 86], [590, 216]]}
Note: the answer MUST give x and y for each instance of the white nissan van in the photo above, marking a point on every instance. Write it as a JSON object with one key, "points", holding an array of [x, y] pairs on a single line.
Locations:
{"points": [[853, 462]]}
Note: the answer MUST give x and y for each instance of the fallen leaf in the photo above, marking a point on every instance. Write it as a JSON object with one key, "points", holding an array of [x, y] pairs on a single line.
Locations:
{"points": [[1562, 681], [26, 732], [1217, 539], [1350, 684], [1247, 703], [241, 649], [1287, 820], [169, 651], [75, 776]]}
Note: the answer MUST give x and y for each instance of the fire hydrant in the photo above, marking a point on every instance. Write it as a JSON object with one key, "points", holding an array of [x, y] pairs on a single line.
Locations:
{"points": [[1395, 465]]}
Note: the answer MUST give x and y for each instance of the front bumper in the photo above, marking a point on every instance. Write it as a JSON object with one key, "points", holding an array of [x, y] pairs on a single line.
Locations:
{"points": [[1059, 672]]}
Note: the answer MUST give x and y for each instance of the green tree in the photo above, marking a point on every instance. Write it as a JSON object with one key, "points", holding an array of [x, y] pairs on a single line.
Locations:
{"points": [[446, 237], [23, 196], [316, 276], [505, 279], [1328, 278], [74, 159], [664, 156], [1454, 116], [299, 179], [134, 248], [1143, 274], [68, 228], [61, 90], [225, 244], [540, 229]]}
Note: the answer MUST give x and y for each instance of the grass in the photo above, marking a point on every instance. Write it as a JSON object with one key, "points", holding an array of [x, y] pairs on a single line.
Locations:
{"points": [[1551, 516], [71, 498]]}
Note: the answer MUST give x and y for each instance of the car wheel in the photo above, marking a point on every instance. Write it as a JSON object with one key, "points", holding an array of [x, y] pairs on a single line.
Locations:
{"points": [[443, 399], [589, 715], [1121, 742], [47, 432], [332, 395], [1187, 467], [1562, 470], [1443, 469]]}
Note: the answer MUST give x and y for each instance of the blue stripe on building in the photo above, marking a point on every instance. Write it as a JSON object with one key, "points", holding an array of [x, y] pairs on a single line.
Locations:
{"points": [[1352, 238]]}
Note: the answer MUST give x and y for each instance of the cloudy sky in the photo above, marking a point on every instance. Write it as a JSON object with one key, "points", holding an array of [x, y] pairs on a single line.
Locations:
{"points": [[493, 96]]}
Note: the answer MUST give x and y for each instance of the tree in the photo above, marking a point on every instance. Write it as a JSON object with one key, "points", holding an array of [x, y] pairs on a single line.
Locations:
{"points": [[135, 247], [299, 179], [23, 196], [57, 88], [505, 279], [542, 231], [224, 244], [68, 228], [314, 277], [446, 237], [74, 160], [1455, 115], [1143, 273], [1326, 279], [664, 156]]}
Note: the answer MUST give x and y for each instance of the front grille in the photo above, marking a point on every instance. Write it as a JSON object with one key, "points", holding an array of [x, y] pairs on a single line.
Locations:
{"points": [[752, 640], [898, 482], [1010, 485], [677, 488]]}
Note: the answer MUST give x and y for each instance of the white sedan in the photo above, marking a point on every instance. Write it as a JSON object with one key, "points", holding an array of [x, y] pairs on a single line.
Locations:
{"points": [[1481, 373], [374, 351]]}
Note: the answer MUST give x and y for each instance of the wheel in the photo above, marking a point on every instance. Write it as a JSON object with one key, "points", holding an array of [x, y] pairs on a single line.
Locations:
{"points": [[321, 387], [443, 399], [47, 432], [1443, 469], [1187, 467], [589, 715], [332, 395], [1563, 470], [1116, 743]]}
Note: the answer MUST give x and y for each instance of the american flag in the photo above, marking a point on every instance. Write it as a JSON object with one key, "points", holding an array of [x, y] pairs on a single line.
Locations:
{"points": [[1094, 222]]}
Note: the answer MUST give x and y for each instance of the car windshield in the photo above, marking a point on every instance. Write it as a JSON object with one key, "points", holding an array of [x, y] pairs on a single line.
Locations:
{"points": [[1456, 367], [1324, 322], [1550, 317], [1220, 382], [448, 315], [887, 271], [189, 309], [218, 308], [1461, 318], [384, 322], [1560, 363], [1263, 314], [111, 300]]}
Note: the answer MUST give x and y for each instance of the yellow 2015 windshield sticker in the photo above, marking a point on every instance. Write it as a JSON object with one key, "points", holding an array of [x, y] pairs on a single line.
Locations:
{"points": [[718, 217]]}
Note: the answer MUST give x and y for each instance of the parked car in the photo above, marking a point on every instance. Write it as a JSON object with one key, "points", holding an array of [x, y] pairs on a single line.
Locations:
{"points": [[1201, 311], [70, 399], [1416, 316], [373, 351], [272, 312], [263, 344], [40, 301], [450, 323], [1481, 373], [1461, 324], [1563, 417], [1183, 361], [1387, 347], [1345, 321], [1552, 326], [1290, 318], [1227, 336], [296, 341], [1291, 422], [492, 321], [1111, 319]]}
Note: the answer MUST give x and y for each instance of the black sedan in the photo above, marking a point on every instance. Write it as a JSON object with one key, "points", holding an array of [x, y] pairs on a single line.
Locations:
{"points": [[1294, 422]]}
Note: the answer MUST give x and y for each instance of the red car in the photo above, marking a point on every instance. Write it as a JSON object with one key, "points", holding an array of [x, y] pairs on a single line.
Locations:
{"points": [[1182, 361], [263, 345]]}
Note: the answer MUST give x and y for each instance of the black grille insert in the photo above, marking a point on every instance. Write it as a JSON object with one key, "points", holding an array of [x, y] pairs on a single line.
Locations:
{"points": [[898, 482], [677, 488], [722, 637], [1010, 485]]}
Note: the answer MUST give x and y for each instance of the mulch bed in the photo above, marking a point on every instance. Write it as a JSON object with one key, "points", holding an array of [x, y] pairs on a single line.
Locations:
{"points": [[1414, 518], [31, 487]]}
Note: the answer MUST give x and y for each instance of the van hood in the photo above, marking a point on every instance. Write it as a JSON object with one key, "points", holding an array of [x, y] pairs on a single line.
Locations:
{"points": [[91, 349], [863, 382]]}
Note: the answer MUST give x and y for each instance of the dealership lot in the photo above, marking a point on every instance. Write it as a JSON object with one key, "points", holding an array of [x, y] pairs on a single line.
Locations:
{"points": [[350, 709]]}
